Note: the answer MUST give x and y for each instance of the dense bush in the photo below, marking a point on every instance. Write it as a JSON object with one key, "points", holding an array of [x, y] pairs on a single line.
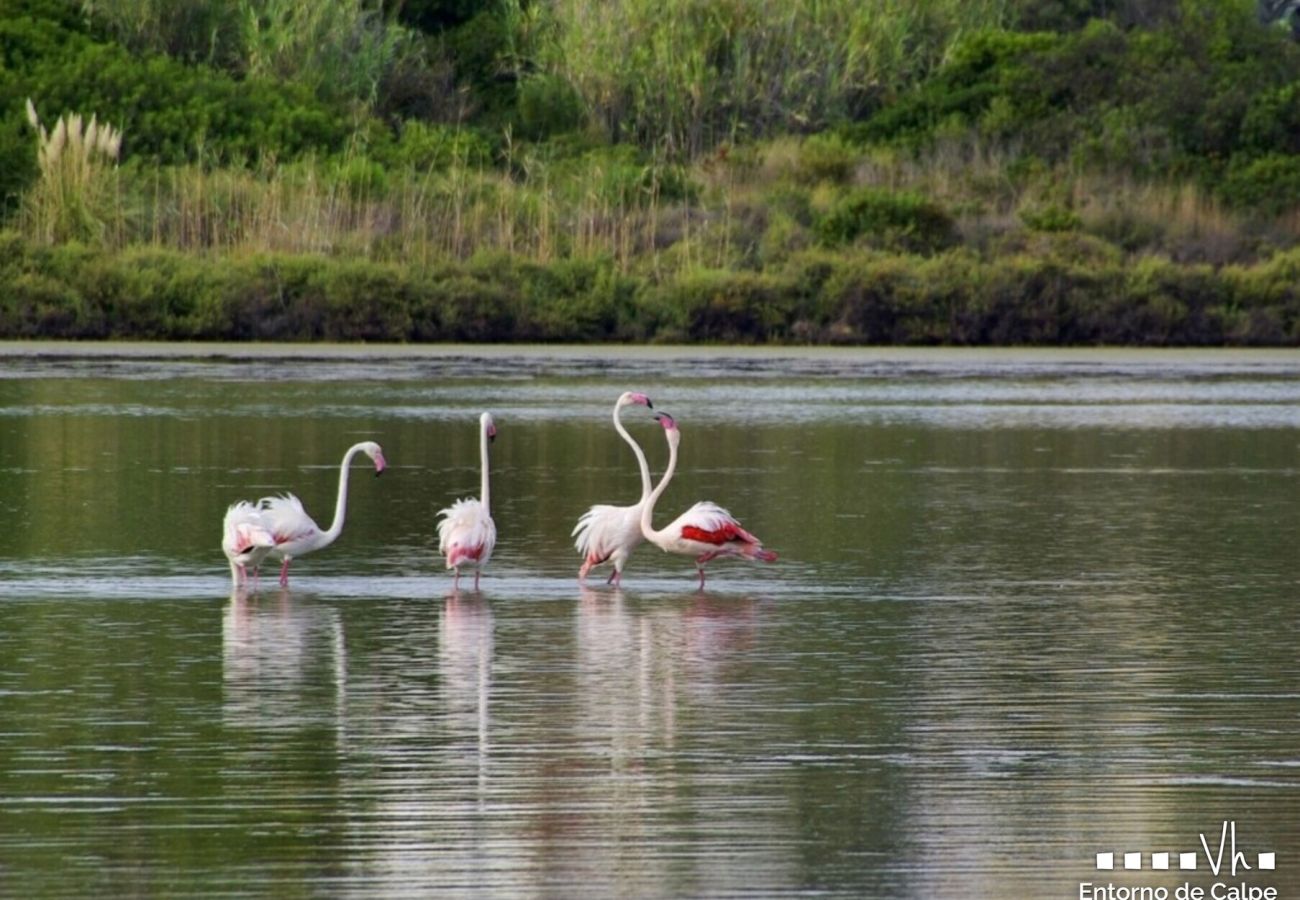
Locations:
{"points": [[1048, 294], [896, 220]]}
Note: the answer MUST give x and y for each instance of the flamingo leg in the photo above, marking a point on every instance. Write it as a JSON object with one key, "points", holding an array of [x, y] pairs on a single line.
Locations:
{"points": [[455, 582], [284, 573], [701, 577], [477, 573], [582, 573], [615, 578]]}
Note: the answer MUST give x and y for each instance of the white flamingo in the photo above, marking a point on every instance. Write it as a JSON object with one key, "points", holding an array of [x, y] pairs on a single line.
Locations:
{"points": [[466, 532], [294, 531], [607, 533], [245, 539], [706, 530]]}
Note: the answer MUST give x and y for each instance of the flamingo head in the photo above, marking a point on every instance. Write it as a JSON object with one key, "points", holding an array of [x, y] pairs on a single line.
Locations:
{"points": [[632, 398], [670, 427], [376, 453], [489, 427]]}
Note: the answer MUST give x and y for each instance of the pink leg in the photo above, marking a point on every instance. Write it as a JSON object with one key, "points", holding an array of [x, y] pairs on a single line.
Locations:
{"points": [[477, 573], [284, 573], [701, 577], [615, 578], [582, 573], [455, 582]]}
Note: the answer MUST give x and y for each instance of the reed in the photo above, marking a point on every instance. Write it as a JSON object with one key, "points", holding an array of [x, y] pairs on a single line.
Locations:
{"points": [[685, 75], [77, 196], [743, 210]]}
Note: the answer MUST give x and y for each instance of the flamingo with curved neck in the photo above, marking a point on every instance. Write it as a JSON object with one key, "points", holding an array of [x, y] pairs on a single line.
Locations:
{"points": [[295, 532], [706, 530], [608, 533], [466, 532]]}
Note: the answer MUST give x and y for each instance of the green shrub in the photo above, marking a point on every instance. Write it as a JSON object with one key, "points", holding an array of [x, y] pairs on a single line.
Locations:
{"points": [[547, 105], [1051, 217], [897, 220], [426, 147], [1269, 184], [826, 157]]}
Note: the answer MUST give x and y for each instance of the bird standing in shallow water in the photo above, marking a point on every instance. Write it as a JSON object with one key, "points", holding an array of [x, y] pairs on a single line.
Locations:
{"points": [[607, 533], [466, 532], [294, 531], [706, 530], [245, 539]]}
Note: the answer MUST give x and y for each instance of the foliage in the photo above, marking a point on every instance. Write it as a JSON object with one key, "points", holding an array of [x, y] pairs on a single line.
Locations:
{"points": [[338, 50], [1053, 171], [76, 193], [686, 74], [895, 220], [1033, 297]]}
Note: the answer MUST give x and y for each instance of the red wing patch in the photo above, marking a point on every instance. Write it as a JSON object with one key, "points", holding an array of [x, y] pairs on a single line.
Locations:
{"points": [[461, 552], [723, 535]]}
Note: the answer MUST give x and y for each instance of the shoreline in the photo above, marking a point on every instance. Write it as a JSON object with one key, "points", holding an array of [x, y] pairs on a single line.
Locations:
{"points": [[216, 351]]}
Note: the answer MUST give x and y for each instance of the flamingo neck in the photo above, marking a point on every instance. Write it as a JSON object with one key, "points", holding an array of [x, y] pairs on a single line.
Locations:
{"points": [[648, 510], [483, 494], [636, 448], [341, 504]]}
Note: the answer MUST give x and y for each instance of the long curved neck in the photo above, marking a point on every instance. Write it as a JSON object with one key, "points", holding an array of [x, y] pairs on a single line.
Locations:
{"points": [[648, 510], [636, 448], [341, 505], [483, 453]]}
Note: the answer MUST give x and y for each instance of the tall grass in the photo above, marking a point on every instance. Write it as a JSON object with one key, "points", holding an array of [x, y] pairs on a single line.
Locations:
{"points": [[750, 208], [77, 196], [419, 217], [340, 48], [687, 75]]}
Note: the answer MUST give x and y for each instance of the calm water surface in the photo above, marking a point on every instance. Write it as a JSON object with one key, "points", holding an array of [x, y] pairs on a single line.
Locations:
{"points": [[1030, 607]]}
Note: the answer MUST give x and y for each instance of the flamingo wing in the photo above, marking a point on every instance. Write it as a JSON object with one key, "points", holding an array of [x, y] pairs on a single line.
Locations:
{"points": [[286, 519], [245, 536], [598, 531], [466, 533], [709, 523]]}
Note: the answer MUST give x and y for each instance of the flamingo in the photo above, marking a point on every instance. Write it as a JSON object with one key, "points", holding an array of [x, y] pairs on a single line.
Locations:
{"points": [[294, 531], [245, 539], [706, 530], [610, 533], [466, 532]]}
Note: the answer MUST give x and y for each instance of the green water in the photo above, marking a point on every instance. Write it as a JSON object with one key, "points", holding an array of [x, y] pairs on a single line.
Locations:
{"points": [[1029, 608]]}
